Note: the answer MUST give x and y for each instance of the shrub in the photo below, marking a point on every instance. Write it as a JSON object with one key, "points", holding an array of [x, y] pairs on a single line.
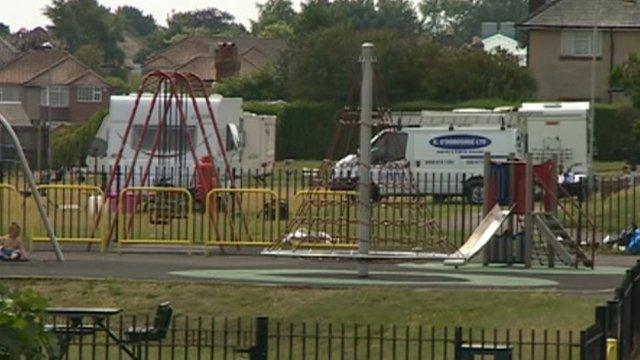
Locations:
{"points": [[71, 144], [305, 130], [22, 335], [615, 133]]}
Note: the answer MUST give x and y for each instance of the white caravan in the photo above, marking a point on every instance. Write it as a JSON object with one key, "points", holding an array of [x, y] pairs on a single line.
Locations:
{"points": [[173, 158], [439, 161]]}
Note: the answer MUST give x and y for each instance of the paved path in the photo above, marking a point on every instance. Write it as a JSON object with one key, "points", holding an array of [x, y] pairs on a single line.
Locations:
{"points": [[287, 271]]}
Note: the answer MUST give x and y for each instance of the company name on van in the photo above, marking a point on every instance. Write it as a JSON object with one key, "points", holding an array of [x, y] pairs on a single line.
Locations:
{"points": [[460, 142]]}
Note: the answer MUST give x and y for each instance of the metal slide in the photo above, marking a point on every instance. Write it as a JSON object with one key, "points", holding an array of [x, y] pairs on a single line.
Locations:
{"points": [[480, 237]]}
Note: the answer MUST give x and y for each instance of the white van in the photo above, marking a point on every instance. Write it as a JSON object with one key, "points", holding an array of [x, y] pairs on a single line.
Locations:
{"points": [[438, 161]]}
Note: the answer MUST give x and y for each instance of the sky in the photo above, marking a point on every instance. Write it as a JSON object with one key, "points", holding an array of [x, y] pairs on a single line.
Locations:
{"points": [[28, 13]]}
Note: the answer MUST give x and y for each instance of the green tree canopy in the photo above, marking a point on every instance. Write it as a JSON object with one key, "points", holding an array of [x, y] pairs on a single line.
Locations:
{"points": [[626, 77], [136, 21], [275, 19], [78, 23], [462, 19], [4, 29], [210, 21]]}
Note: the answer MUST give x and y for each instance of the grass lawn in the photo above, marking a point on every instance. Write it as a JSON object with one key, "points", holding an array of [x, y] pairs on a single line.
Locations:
{"points": [[375, 306]]}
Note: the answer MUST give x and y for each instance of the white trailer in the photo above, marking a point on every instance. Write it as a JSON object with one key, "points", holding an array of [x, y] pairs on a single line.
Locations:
{"points": [[439, 161], [248, 139]]}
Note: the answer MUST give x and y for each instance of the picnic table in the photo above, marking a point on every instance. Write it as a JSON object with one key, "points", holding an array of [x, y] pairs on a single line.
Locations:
{"points": [[75, 325]]}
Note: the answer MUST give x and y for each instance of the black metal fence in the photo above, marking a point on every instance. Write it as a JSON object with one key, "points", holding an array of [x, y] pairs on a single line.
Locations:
{"points": [[263, 338], [619, 319], [612, 204]]}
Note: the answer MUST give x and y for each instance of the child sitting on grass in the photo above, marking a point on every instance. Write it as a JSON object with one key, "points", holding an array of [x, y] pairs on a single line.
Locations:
{"points": [[11, 247]]}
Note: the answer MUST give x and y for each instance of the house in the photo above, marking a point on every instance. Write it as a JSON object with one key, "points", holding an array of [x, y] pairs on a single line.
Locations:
{"points": [[52, 84], [198, 54], [499, 42], [28, 135], [562, 45]]}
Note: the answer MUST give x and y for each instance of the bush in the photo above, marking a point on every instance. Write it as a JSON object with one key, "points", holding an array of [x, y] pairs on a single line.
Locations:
{"points": [[71, 144], [615, 133], [263, 84], [22, 335], [305, 130]]}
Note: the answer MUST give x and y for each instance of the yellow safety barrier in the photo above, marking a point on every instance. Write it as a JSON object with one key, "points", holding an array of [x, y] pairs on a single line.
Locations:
{"points": [[10, 209], [324, 219], [72, 210], [612, 349], [243, 217], [155, 216]]}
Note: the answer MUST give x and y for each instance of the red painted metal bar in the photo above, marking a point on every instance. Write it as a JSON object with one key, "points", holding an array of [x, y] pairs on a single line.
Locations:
{"points": [[223, 151], [115, 169]]}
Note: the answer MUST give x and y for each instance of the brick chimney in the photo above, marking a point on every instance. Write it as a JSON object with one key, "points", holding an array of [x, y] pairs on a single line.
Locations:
{"points": [[227, 61], [535, 5]]}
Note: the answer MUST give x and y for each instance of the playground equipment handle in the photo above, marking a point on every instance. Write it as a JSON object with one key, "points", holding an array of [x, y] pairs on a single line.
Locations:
{"points": [[33, 187]]}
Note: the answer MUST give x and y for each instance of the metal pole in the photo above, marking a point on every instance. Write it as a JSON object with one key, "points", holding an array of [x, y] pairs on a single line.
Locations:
{"points": [[528, 217], [486, 182], [34, 189], [364, 166], [592, 102], [49, 145]]}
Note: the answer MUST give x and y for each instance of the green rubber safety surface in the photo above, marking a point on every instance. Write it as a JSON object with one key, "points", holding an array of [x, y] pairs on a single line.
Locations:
{"points": [[319, 277], [517, 269]]}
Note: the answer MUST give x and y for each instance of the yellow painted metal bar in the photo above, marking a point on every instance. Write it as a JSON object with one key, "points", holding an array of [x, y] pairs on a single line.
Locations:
{"points": [[87, 188], [71, 187], [156, 189], [271, 193], [9, 187]]}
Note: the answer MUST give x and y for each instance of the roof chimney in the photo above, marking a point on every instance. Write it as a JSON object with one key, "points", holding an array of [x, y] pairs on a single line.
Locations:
{"points": [[535, 5], [227, 62]]}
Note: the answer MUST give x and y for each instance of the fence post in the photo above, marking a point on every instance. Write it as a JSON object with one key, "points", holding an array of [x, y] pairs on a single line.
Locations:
{"points": [[457, 355], [261, 347]]}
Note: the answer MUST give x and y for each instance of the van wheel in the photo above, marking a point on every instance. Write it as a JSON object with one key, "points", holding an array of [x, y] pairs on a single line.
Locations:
{"points": [[474, 192], [439, 199], [375, 193]]}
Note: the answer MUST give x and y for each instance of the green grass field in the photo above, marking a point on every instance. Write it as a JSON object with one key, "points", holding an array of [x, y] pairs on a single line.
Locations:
{"points": [[375, 306]]}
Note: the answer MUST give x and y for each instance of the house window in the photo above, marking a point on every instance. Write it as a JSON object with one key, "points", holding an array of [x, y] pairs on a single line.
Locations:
{"points": [[89, 94], [580, 43], [59, 96], [9, 93]]}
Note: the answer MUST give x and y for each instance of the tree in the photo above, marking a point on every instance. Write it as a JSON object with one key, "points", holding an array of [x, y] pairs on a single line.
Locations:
{"points": [[22, 335], [398, 14], [85, 22], [462, 19], [627, 78], [135, 21], [276, 14], [211, 21], [91, 55], [4, 29]]}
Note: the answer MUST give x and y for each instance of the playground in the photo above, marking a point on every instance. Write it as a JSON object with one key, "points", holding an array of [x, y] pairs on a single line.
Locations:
{"points": [[148, 229]]}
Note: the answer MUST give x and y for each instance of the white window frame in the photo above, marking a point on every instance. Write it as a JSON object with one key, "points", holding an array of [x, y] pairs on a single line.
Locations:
{"points": [[89, 94], [59, 96], [579, 43]]}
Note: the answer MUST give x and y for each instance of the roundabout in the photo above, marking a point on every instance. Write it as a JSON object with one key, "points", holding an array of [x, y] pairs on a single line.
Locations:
{"points": [[323, 277]]}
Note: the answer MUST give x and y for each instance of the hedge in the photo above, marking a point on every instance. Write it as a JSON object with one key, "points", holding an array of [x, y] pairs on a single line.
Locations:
{"points": [[614, 133], [71, 144], [305, 130]]}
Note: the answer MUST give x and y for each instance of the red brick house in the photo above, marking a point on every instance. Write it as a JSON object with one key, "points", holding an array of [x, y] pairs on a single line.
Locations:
{"points": [[206, 56], [52, 83]]}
